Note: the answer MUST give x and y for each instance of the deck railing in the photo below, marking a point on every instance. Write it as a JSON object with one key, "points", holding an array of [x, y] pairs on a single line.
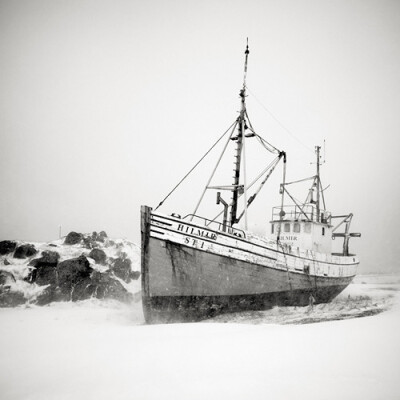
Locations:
{"points": [[296, 213]]}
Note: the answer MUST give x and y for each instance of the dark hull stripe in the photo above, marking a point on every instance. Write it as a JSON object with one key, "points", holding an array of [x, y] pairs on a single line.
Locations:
{"points": [[159, 232], [153, 218], [164, 309]]}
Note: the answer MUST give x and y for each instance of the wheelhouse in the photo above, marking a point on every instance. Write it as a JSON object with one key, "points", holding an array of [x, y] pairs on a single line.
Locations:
{"points": [[301, 227]]}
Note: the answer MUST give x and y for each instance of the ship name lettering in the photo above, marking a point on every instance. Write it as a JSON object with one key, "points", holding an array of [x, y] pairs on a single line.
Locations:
{"points": [[194, 242], [197, 232], [287, 237]]}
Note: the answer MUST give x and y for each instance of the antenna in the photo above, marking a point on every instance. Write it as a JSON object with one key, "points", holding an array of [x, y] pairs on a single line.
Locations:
{"points": [[245, 63]]}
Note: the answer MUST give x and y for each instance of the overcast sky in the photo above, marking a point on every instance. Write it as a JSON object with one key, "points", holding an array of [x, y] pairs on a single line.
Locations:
{"points": [[105, 105]]}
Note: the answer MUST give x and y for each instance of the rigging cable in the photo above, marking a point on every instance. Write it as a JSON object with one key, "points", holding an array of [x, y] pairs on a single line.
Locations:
{"points": [[287, 266], [198, 162], [300, 180], [279, 123]]}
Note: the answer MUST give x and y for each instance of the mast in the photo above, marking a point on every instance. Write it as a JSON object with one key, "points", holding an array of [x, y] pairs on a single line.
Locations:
{"points": [[239, 146], [317, 181], [282, 212]]}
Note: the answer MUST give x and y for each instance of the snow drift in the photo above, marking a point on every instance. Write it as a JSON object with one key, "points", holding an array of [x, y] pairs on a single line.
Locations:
{"points": [[101, 349]]}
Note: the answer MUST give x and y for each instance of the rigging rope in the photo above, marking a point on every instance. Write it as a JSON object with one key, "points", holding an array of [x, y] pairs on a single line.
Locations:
{"points": [[198, 162], [294, 201], [264, 143], [255, 194], [271, 166]]}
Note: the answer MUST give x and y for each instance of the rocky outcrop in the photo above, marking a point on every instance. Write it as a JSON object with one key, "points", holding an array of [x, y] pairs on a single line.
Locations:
{"points": [[25, 251], [73, 238], [73, 279], [7, 246], [76, 280]]}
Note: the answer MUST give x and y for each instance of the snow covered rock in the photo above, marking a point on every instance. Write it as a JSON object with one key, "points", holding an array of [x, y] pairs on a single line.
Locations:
{"points": [[7, 246], [43, 275], [73, 238], [47, 258], [106, 287], [9, 297], [99, 256], [67, 280], [49, 295], [101, 237], [135, 275], [24, 251], [71, 272], [44, 271], [6, 278], [121, 267], [88, 242]]}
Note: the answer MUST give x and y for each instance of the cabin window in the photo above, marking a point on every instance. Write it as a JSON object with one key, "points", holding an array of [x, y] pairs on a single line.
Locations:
{"points": [[296, 227], [323, 231], [307, 228], [272, 228], [286, 227]]}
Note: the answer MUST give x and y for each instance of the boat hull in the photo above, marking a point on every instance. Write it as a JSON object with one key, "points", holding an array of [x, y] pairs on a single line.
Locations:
{"points": [[185, 283]]}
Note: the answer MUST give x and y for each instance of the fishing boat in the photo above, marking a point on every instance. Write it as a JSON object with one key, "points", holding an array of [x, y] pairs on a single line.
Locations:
{"points": [[194, 267]]}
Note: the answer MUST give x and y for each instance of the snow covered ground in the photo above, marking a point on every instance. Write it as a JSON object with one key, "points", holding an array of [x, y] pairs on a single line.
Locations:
{"points": [[103, 350]]}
